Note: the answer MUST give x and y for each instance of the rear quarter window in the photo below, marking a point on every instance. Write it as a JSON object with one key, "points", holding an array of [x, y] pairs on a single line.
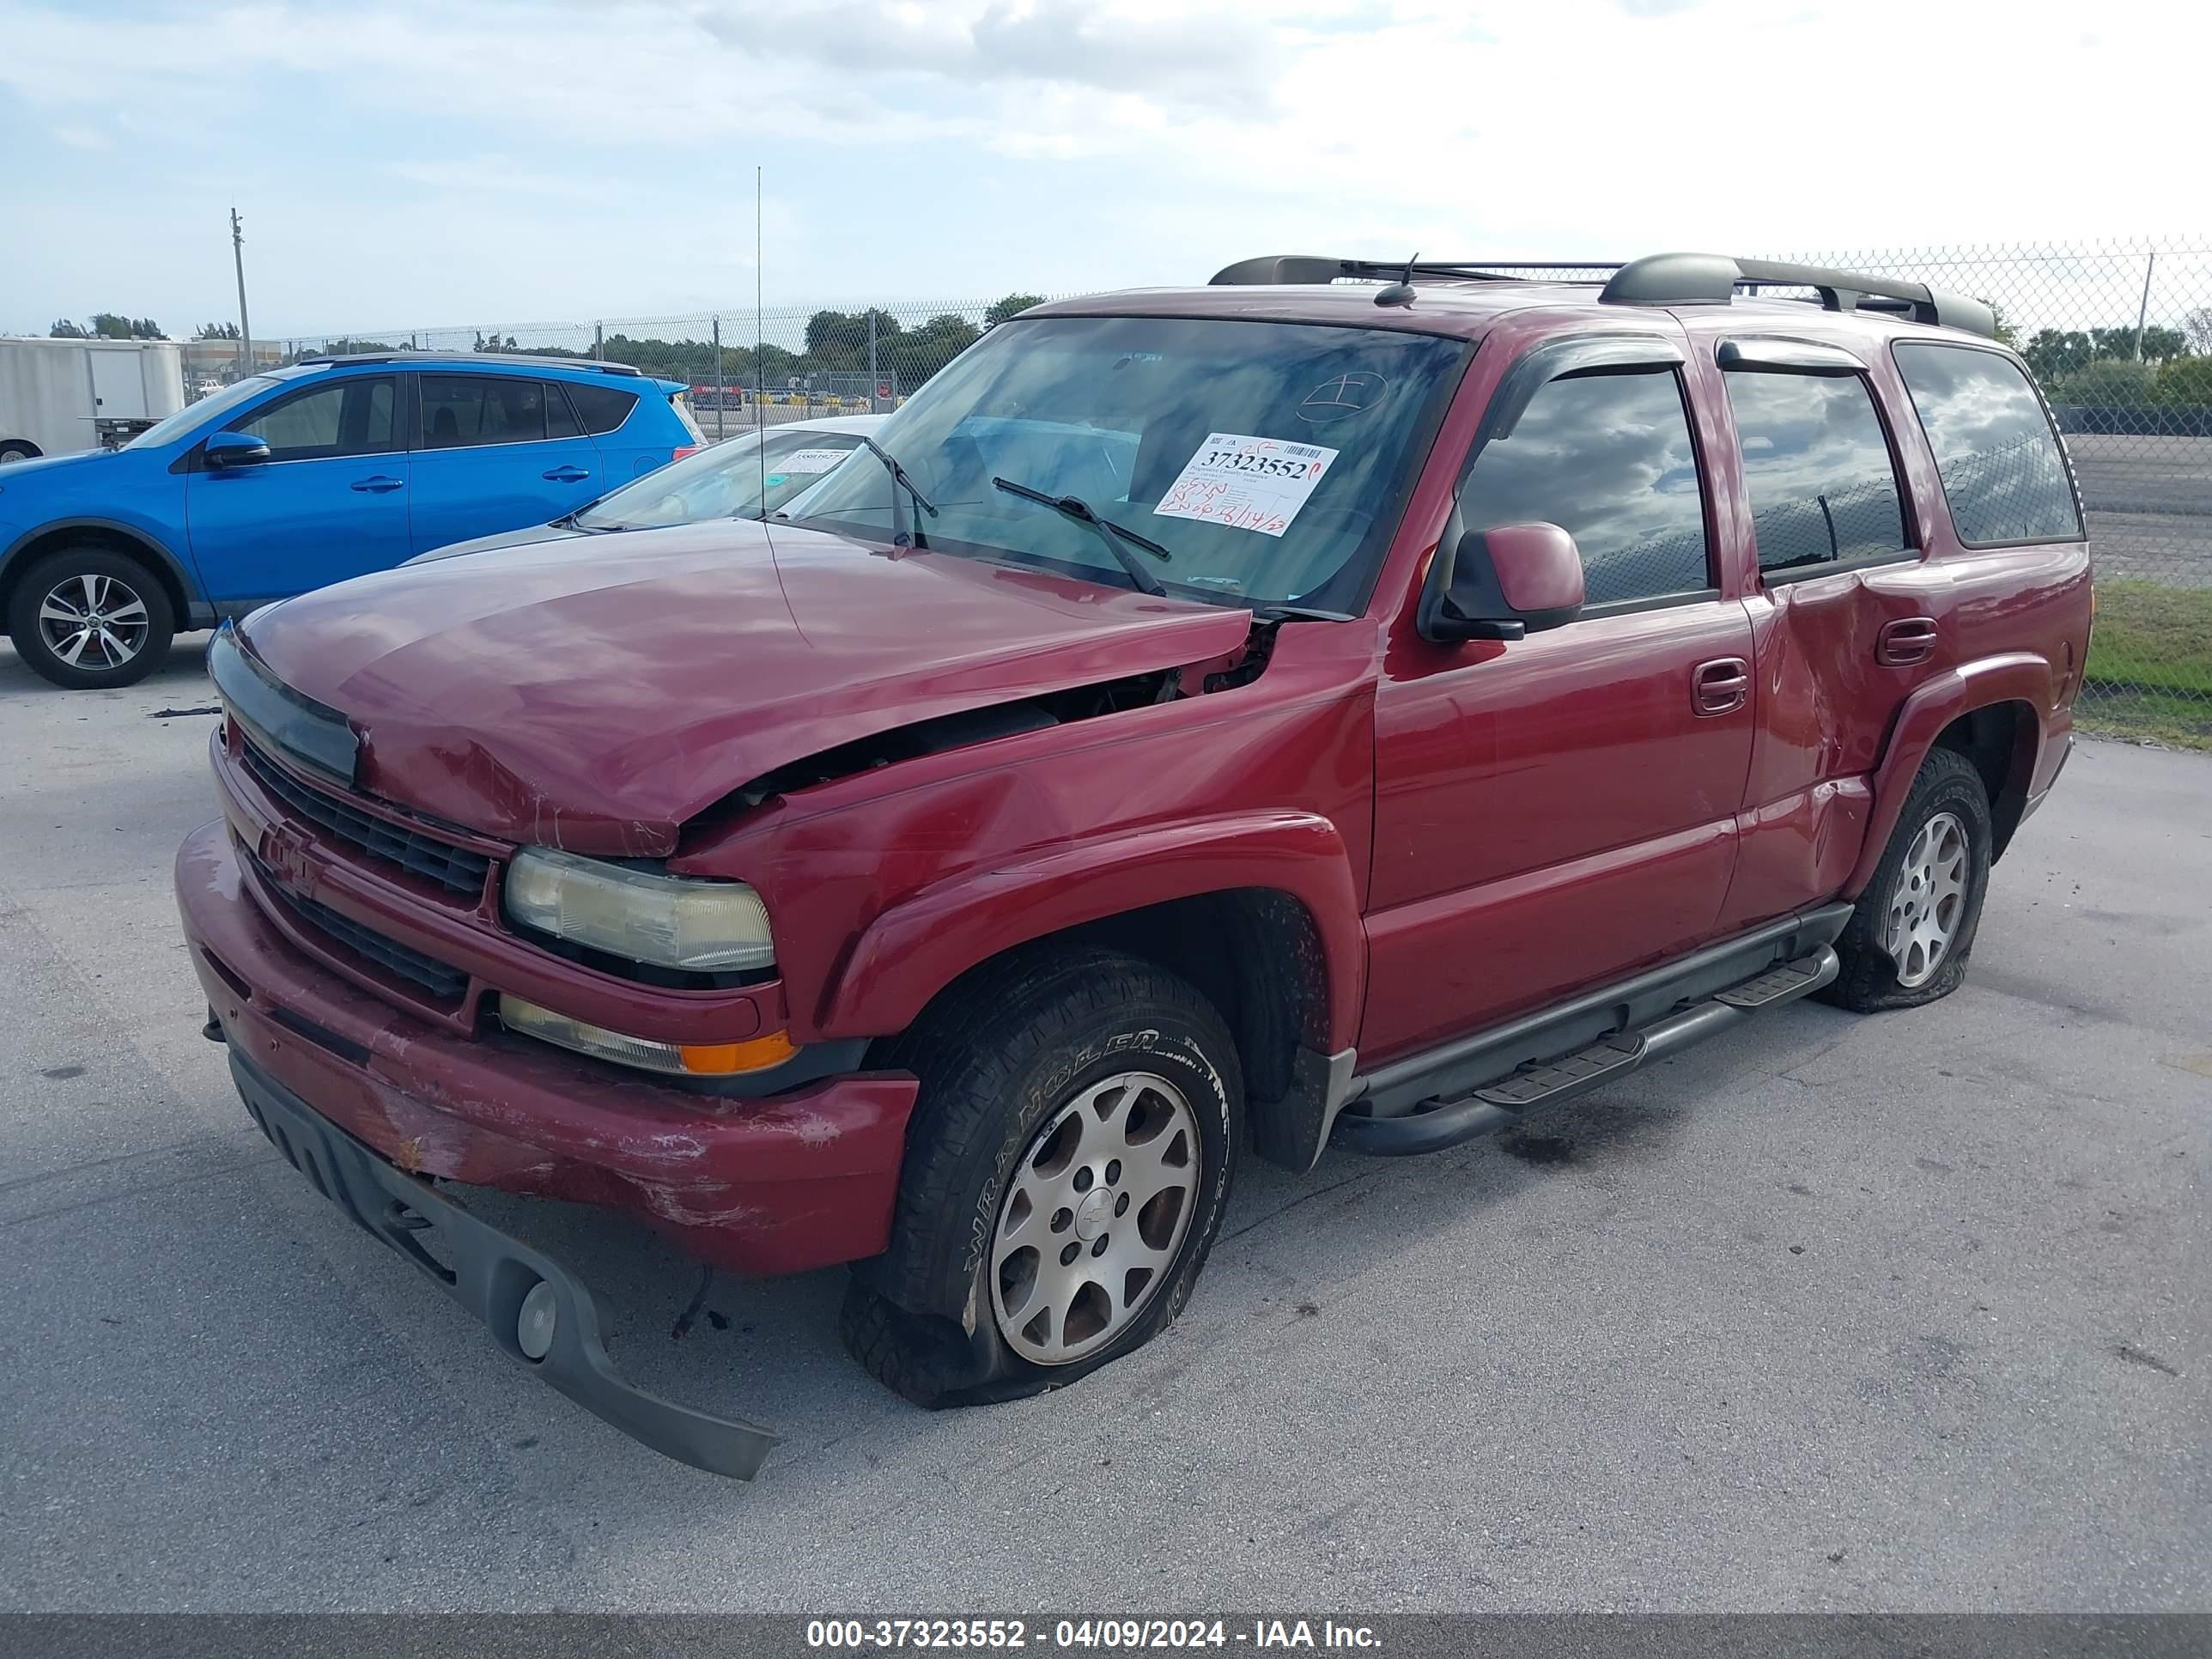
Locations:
{"points": [[601, 407], [2004, 473]]}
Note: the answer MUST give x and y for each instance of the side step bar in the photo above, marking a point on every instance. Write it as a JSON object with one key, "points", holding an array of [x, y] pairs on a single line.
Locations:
{"points": [[1502, 1104]]}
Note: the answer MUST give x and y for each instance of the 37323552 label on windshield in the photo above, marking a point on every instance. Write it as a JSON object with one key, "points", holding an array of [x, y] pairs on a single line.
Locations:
{"points": [[1246, 482]]}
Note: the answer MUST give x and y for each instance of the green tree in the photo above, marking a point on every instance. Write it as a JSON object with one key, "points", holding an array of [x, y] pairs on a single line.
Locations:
{"points": [[106, 325], [2107, 383], [2007, 334], [2197, 325], [2158, 345], [2053, 354], [216, 331], [920, 352], [1012, 306], [2163, 345], [63, 329], [2185, 381]]}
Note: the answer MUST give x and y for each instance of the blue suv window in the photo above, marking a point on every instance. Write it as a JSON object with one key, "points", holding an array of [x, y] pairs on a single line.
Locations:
{"points": [[463, 410], [345, 417], [602, 407]]}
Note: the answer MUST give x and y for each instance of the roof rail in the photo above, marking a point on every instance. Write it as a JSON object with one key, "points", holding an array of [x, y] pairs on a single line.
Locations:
{"points": [[1711, 279], [477, 357], [1274, 269], [1658, 279]]}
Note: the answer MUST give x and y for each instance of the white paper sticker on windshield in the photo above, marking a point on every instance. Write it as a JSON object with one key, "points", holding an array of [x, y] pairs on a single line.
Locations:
{"points": [[1249, 483], [810, 460]]}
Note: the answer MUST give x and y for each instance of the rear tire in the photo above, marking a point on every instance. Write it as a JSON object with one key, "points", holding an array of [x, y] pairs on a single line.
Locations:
{"points": [[88, 618], [1069, 1160], [15, 449], [1909, 936]]}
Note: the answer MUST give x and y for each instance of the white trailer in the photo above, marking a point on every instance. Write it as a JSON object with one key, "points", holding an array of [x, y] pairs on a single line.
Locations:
{"points": [[57, 397]]}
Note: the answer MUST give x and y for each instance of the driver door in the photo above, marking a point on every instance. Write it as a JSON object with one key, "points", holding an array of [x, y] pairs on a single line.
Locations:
{"points": [[329, 502], [1557, 810]]}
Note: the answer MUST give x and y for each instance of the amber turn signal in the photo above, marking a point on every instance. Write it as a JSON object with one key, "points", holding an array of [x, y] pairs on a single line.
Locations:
{"points": [[724, 1059]]}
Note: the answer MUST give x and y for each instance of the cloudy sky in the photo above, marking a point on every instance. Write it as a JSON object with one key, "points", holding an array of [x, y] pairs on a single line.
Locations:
{"points": [[412, 163]]}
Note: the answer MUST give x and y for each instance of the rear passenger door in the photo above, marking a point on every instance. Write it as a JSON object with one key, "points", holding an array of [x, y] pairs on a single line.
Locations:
{"points": [[1847, 616], [497, 451], [1554, 811]]}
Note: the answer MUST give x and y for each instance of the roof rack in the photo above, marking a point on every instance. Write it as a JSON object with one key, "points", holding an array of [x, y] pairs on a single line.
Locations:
{"points": [[404, 356], [1657, 279]]}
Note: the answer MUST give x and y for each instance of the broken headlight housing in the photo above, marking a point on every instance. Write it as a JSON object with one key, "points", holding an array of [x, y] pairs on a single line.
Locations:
{"points": [[670, 922]]}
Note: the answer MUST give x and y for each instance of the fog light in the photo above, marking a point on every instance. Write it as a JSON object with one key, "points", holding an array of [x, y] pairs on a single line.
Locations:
{"points": [[534, 1326], [681, 1060]]}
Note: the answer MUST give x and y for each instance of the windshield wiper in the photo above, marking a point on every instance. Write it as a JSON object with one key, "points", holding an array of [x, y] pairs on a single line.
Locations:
{"points": [[1075, 507], [901, 536], [1270, 611]]}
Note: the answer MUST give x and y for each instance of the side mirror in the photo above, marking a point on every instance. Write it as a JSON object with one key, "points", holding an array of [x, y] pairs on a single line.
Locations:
{"points": [[1504, 583], [224, 450]]}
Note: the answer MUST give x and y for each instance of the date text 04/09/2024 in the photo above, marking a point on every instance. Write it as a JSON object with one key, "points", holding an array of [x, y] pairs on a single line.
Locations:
{"points": [[1087, 1633]]}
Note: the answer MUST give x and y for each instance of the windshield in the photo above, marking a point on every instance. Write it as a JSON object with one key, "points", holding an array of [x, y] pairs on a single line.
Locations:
{"points": [[1271, 460], [173, 426], [724, 482]]}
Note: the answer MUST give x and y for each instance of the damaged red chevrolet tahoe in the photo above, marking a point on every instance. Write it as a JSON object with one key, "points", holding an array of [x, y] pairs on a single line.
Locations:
{"points": [[1289, 712]]}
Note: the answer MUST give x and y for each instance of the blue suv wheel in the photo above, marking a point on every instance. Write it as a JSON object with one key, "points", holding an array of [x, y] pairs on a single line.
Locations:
{"points": [[88, 616]]}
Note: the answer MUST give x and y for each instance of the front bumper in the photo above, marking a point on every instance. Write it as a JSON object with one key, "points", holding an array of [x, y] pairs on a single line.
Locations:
{"points": [[778, 1184], [490, 1274]]}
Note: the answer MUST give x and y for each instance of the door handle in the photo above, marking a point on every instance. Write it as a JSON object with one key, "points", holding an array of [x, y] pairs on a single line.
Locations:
{"points": [[379, 485], [1720, 687], [565, 475], [1905, 641]]}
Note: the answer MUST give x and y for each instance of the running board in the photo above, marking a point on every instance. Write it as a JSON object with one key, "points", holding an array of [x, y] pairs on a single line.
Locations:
{"points": [[1500, 1105]]}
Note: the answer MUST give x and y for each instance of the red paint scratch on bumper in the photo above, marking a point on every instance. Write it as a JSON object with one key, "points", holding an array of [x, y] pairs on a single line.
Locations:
{"points": [[781, 1184]]}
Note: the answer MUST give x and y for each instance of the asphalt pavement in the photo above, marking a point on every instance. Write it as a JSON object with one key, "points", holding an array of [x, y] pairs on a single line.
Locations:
{"points": [[1904, 1313]]}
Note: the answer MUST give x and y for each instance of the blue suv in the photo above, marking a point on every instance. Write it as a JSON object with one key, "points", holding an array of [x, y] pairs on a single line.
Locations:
{"points": [[303, 476]]}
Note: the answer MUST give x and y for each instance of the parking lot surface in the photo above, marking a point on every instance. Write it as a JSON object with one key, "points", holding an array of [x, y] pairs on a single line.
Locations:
{"points": [[1907, 1312]]}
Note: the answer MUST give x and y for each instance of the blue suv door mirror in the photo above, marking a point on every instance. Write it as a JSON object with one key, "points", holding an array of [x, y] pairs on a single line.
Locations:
{"points": [[232, 449]]}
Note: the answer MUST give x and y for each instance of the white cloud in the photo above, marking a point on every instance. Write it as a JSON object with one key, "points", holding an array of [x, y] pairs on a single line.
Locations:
{"points": [[588, 157]]}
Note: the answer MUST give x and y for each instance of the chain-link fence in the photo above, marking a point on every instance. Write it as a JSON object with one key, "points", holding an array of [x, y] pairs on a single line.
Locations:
{"points": [[795, 362], [2120, 333]]}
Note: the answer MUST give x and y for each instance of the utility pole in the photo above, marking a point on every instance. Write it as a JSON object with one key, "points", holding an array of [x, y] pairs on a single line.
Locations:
{"points": [[2142, 311], [245, 328]]}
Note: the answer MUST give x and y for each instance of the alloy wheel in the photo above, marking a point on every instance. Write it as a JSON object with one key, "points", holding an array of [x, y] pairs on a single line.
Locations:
{"points": [[94, 621], [1093, 1217], [1928, 901]]}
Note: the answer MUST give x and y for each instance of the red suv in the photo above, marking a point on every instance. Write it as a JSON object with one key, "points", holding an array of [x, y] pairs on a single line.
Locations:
{"points": [[1288, 712]]}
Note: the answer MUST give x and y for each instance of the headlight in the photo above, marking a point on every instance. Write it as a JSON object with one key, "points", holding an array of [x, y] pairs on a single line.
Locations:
{"points": [[672, 921]]}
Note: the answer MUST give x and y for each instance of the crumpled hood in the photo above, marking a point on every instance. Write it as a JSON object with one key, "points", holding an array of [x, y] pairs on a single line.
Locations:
{"points": [[557, 694]]}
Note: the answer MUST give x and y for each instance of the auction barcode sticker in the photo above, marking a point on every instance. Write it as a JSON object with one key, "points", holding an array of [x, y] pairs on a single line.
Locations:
{"points": [[810, 460], [1247, 482]]}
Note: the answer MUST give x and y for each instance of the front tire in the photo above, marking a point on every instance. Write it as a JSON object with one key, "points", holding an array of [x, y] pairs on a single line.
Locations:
{"points": [[1068, 1163], [87, 618], [1913, 928]]}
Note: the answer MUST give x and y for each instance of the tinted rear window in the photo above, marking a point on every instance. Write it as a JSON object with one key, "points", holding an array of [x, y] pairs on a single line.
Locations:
{"points": [[1818, 468], [2001, 469], [463, 410], [601, 407]]}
